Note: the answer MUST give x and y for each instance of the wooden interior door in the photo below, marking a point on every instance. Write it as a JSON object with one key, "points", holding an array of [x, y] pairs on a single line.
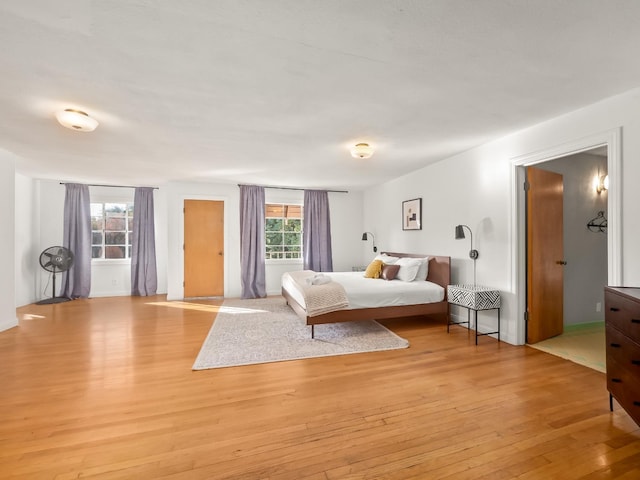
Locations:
{"points": [[545, 255], [203, 248]]}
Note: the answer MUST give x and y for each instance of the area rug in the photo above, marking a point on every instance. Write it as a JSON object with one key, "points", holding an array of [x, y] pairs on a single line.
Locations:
{"points": [[266, 330], [582, 343]]}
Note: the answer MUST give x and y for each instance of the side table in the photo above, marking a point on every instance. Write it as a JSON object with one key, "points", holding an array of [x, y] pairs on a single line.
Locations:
{"points": [[474, 297]]}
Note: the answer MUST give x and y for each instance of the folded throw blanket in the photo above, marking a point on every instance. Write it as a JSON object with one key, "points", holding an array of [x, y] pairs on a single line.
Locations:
{"points": [[318, 279], [321, 294]]}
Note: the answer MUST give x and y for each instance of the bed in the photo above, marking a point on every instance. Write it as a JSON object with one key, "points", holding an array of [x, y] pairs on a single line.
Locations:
{"points": [[439, 274]]}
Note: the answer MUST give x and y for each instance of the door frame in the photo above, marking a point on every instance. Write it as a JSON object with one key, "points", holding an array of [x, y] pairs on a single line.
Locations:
{"points": [[216, 198], [612, 140]]}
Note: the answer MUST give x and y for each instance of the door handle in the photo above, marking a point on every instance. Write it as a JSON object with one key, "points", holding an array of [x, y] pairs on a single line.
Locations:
{"points": [[561, 262], [220, 253]]}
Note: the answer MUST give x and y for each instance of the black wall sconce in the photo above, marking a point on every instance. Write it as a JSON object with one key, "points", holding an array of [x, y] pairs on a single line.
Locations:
{"points": [[473, 254], [373, 239]]}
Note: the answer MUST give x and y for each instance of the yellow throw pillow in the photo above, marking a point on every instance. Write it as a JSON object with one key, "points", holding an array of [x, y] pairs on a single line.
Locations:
{"points": [[374, 269]]}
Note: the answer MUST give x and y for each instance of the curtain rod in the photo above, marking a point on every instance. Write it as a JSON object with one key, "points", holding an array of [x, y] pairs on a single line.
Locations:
{"points": [[112, 186], [296, 188]]}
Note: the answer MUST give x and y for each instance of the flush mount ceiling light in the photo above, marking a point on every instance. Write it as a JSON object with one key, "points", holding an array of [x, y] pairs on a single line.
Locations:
{"points": [[362, 150], [76, 120]]}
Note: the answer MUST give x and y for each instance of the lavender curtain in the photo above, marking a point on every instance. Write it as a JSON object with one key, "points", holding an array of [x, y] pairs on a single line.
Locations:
{"points": [[76, 282], [144, 275], [252, 241], [316, 232]]}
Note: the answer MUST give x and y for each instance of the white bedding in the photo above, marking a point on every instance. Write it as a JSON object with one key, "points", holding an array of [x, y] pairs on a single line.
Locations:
{"points": [[372, 293]]}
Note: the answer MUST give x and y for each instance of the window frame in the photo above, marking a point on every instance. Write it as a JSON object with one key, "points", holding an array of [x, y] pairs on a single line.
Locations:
{"points": [[285, 261], [128, 233]]}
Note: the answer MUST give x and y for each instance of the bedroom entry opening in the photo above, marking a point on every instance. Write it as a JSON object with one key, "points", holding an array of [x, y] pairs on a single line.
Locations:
{"points": [[203, 248]]}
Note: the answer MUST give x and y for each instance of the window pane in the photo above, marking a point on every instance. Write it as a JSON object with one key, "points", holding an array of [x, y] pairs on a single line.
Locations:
{"points": [[273, 238], [292, 238], [96, 252], [273, 224], [273, 210], [96, 209], [96, 223], [114, 238], [114, 252], [130, 224], [293, 225], [96, 238], [115, 224], [115, 209]]}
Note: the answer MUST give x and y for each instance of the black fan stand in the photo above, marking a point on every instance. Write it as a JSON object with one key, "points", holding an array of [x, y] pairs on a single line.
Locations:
{"points": [[53, 299]]}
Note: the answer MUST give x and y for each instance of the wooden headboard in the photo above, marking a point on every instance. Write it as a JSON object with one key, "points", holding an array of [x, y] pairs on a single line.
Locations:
{"points": [[439, 267]]}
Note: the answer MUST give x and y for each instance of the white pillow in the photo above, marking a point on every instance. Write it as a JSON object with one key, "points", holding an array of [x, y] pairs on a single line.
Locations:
{"points": [[423, 271], [408, 269], [386, 259]]}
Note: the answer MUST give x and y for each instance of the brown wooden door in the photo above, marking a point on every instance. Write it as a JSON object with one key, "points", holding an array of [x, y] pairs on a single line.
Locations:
{"points": [[545, 257], [203, 248]]}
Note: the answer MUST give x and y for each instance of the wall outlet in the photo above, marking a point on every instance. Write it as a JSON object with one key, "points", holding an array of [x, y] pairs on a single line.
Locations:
{"points": [[598, 306]]}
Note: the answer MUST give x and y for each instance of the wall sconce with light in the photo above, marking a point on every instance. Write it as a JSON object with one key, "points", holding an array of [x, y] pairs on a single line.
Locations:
{"points": [[601, 183], [76, 120], [362, 150], [473, 254], [373, 239]]}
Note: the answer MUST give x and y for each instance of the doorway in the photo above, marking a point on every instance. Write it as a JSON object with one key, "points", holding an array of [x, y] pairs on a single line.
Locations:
{"points": [[203, 248], [609, 140]]}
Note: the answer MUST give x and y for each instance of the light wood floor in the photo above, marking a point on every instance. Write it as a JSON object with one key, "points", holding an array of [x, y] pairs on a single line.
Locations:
{"points": [[103, 388]]}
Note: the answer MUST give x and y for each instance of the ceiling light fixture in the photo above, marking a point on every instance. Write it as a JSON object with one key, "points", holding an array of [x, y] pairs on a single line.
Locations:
{"points": [[362, 150], [76, 120]]}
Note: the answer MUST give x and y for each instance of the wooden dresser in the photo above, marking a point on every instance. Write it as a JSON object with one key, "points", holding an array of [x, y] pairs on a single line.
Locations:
{"points": [[622, 321]]}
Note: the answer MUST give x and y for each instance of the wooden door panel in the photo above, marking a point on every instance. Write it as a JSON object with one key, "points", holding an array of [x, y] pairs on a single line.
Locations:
{"points": [[545, 255], [203, 248]]}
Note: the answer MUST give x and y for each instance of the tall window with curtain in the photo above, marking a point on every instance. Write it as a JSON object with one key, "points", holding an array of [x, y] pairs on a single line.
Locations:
{"points": [[316, 232], [252, 241], [76, 282], [144, 276]]}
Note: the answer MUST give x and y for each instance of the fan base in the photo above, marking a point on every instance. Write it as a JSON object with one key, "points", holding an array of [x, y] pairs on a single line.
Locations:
{"points": [[48, 301]]}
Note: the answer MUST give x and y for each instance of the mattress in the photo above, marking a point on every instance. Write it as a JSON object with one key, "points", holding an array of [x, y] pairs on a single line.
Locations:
{"points": [[373, 293]]}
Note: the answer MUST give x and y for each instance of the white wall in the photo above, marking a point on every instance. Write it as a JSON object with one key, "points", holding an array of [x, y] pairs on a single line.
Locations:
{"points": [[27, 230], [475, 188], [7, 241]]}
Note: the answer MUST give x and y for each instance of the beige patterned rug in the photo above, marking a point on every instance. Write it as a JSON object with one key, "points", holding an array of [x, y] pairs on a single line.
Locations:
{"points": [[266, 330]]}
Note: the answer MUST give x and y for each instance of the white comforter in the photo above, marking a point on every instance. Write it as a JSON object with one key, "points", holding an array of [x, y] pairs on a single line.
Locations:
{"points": [[372, 293]]}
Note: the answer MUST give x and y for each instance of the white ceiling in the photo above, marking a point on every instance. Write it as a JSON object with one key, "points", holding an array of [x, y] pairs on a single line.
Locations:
{"points": [[275, 92]]}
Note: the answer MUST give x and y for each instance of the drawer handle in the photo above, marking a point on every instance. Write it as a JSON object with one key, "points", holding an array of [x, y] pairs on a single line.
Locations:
{"points": [[635, 362], [636, 403], [614, 309], [616, 380], [635, 320], [615, 345]]}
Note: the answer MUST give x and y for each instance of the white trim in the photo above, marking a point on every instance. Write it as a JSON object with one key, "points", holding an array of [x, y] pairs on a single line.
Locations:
{"points": [[612, 139]]}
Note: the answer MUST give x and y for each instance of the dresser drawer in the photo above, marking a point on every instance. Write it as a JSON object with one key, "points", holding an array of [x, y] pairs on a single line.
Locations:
{"points": [[624, 314], [622, 350], [624, 386]]}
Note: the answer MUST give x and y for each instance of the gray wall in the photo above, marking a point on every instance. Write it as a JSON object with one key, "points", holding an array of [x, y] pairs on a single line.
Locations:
{"points": [[585, 274]]}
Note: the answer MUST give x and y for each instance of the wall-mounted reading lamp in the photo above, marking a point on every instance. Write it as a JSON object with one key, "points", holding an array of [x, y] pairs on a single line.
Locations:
{"points": [[373, 239], [473, 254]]}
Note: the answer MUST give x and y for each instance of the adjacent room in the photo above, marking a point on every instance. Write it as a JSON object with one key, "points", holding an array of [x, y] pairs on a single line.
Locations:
{"points": [[320, 240]]}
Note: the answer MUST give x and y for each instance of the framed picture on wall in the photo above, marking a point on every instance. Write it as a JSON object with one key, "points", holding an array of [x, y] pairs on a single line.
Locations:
{"points": [[412, 214]]}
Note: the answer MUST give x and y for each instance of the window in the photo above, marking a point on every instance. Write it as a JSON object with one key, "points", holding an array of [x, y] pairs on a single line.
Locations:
{"points": [[111, 230], [283, 231]]}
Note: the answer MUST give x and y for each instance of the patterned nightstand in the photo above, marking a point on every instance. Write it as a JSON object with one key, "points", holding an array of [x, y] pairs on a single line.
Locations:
{"points": [[474, 297]]}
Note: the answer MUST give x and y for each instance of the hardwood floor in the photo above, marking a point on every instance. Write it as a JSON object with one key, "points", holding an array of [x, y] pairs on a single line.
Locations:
{"points": [[103, 388]]}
